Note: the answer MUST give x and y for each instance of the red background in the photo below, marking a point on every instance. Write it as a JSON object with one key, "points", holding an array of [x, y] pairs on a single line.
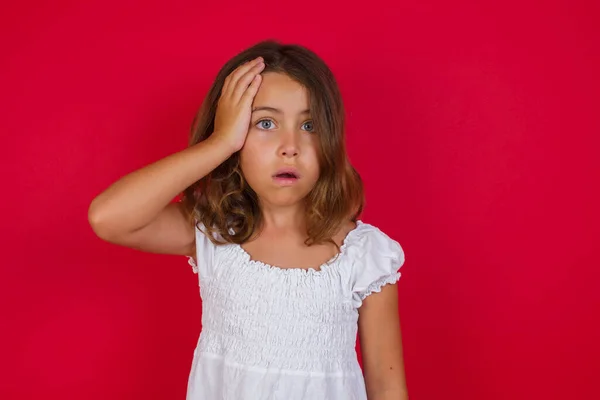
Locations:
{"points": [[475, 127]]}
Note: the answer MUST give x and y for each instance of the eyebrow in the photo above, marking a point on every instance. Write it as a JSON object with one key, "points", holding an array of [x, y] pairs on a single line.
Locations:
{"points": [[275, 110]]}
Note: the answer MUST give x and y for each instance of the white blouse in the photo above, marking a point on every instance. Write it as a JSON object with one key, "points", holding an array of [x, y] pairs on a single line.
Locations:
{"points": [[285, 334]]}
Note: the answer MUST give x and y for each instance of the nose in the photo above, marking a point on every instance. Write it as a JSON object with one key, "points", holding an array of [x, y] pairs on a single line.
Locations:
{"points": [[289, 147]]}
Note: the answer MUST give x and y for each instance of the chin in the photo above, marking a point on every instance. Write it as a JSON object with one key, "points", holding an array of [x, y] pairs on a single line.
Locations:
{"points": [[283, 199]]}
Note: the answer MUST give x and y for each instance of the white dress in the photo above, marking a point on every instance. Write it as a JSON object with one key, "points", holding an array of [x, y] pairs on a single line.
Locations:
{"points": [[285, 334]]}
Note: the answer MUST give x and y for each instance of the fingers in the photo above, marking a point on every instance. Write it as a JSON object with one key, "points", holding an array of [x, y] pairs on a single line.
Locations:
{"points": [[248, 95], [233, 78], [245, 80]]}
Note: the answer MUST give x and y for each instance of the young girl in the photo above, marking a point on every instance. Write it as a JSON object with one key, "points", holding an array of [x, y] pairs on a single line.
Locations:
{"points": [[288, 274]]}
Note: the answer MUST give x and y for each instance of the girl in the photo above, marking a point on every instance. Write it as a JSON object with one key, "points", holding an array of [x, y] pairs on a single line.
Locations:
{"points": [[288, 274]]}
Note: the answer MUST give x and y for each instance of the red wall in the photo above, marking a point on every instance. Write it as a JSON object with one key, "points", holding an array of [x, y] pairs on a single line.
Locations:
{"points": [[474, 126]]}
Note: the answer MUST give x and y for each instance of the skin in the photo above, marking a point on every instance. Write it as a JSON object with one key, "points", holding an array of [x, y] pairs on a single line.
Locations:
{"points": [[381, 345], [281, 135], [136, 211]]}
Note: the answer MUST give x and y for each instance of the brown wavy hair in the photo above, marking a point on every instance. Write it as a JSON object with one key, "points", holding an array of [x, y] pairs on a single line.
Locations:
{"points": [[226, 205]]}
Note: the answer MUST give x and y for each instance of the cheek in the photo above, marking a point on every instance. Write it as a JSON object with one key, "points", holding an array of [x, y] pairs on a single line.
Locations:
{"points": [[247, 163], [313, 155], [251, 159]]}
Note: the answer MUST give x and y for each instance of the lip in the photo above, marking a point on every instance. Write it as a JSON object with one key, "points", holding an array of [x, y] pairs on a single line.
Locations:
{"points": [[285, 181], [287, 170]]}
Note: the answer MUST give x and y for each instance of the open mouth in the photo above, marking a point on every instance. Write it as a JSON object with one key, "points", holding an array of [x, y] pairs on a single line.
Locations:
{"points": [[286, 176]]}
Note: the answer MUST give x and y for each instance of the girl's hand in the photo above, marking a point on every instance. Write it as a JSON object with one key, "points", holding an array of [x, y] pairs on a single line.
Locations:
{"points": [[234, 108]]}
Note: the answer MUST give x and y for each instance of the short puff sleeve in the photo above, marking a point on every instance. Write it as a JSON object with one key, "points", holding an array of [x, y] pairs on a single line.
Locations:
{"points": [[377, 261], [205, 251]]}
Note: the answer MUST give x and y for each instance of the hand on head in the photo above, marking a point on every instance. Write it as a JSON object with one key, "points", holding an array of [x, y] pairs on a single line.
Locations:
{"points": [[233, 114]]}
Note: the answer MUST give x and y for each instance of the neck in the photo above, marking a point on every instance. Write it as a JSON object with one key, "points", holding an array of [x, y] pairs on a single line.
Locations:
{"points": [[283, 218]]}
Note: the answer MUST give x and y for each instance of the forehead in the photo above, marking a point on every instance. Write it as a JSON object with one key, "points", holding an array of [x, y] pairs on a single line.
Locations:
{"points": [[280, 91]]}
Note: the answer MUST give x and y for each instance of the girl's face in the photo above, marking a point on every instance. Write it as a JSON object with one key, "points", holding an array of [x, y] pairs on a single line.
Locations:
{"points": [[279, 159]]}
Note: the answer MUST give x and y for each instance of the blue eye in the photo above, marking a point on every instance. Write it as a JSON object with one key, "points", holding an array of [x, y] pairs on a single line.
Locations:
{"points": [[265, 124], [308, 126]]}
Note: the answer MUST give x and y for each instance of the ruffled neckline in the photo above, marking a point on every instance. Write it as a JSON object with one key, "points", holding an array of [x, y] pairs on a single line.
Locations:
{"points": [[320, 270]]}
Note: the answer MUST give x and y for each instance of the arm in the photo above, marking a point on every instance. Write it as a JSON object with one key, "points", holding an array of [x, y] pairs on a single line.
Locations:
{"points": [[381, 345], [136, 212]]}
